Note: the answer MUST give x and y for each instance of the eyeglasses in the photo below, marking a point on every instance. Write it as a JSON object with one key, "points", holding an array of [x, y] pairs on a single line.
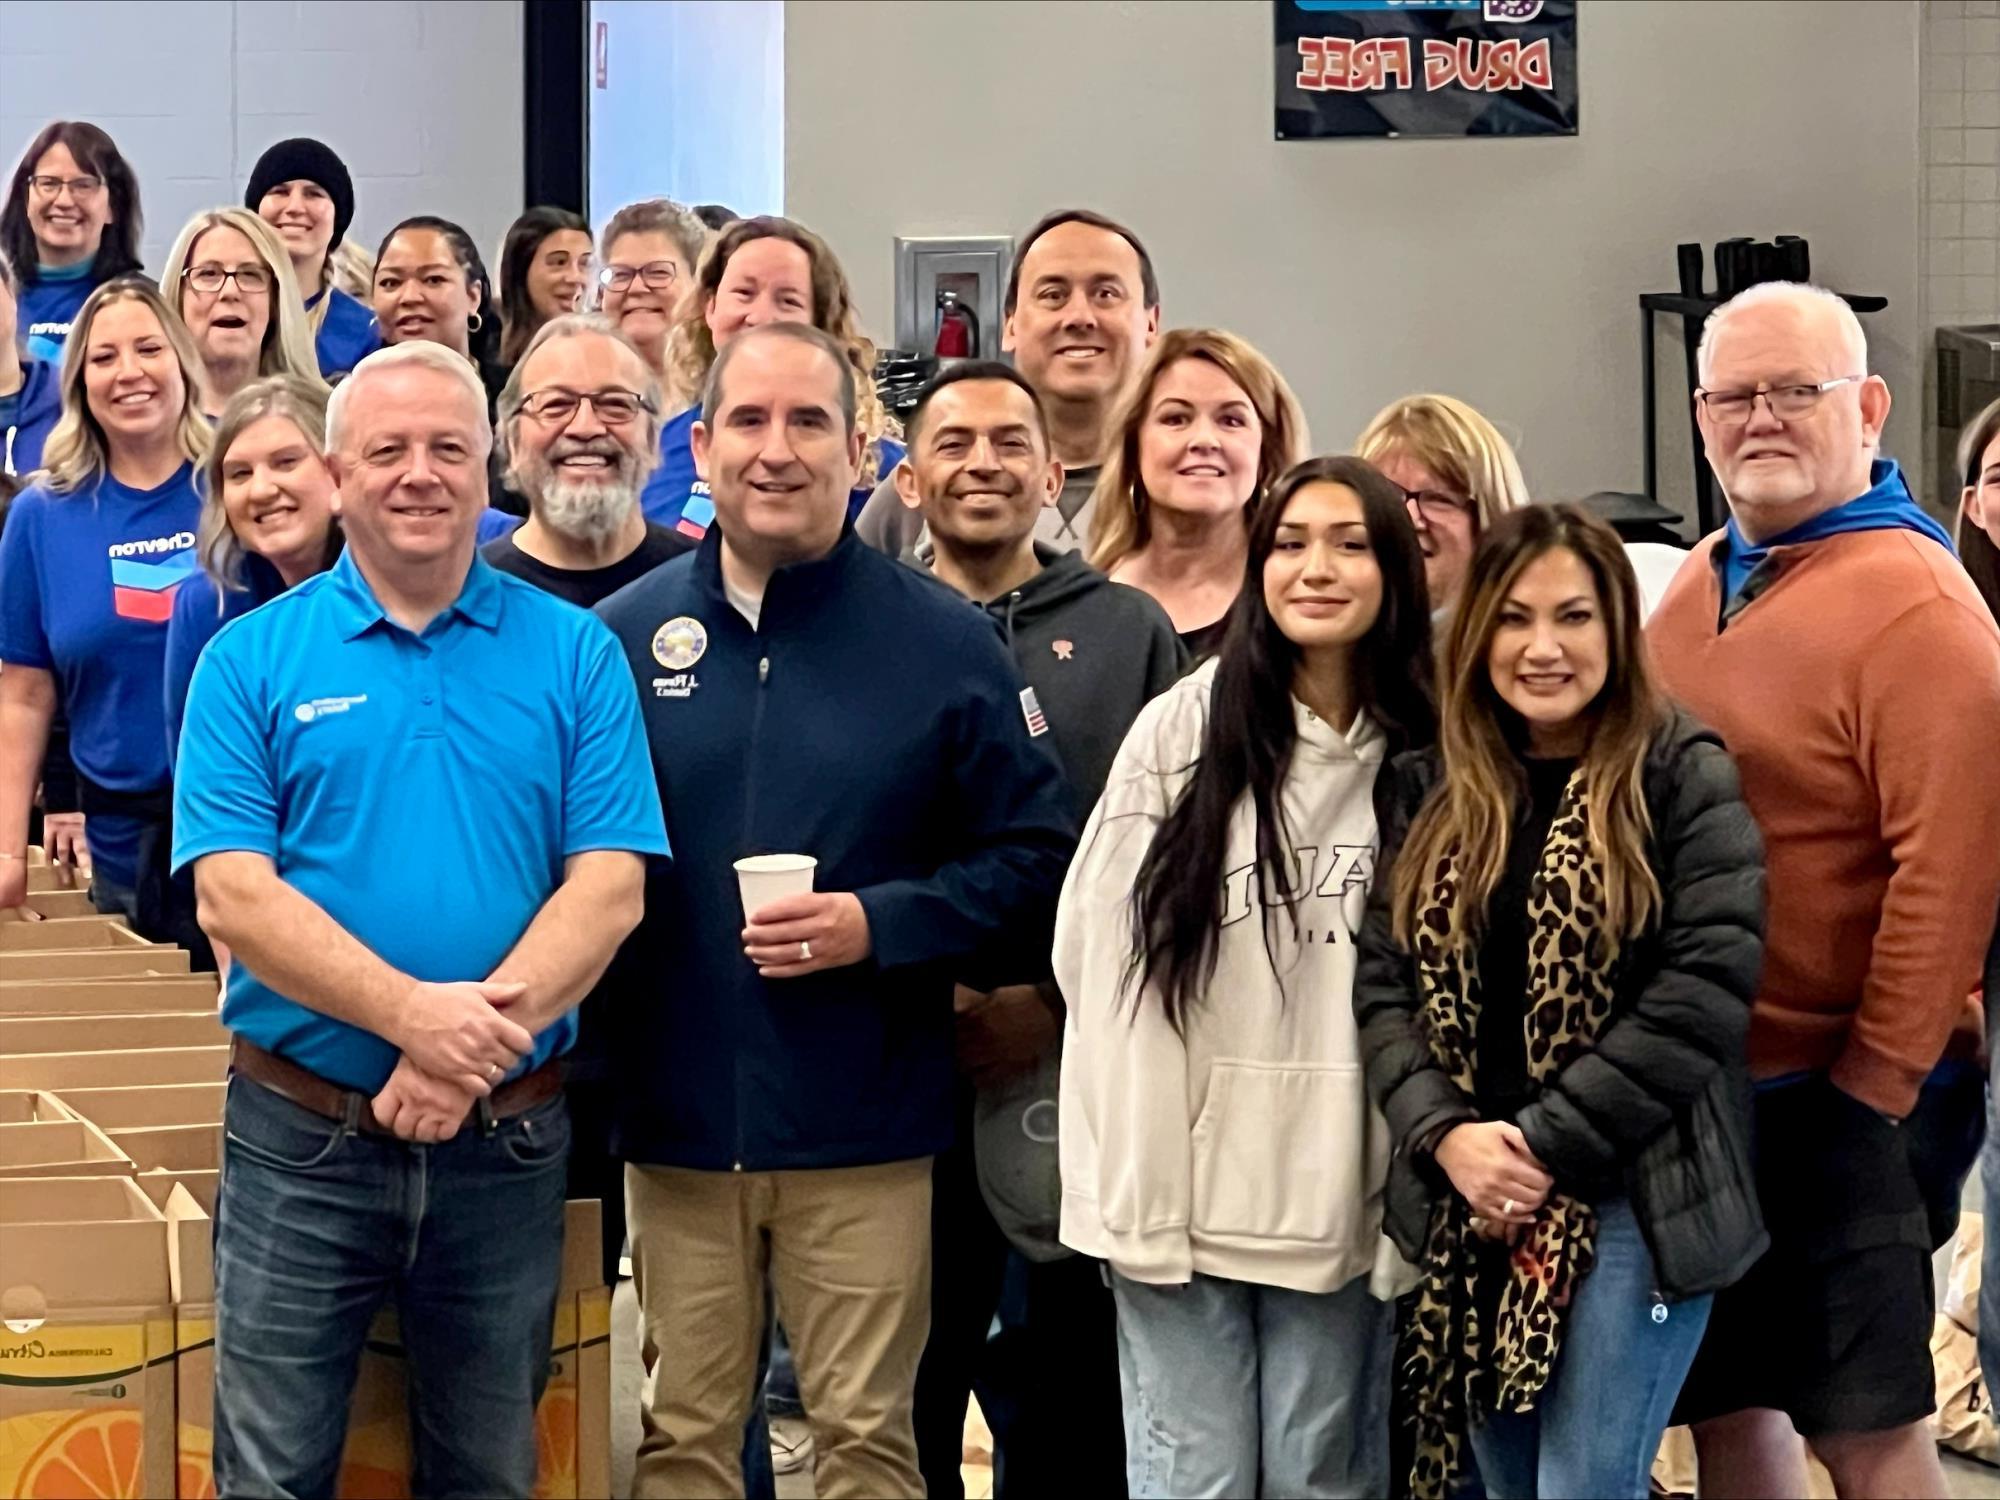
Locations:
{"points": [[1435, 507], [79, 187], [1788, 403], [558, 407], [207, 279], [657, 274]]}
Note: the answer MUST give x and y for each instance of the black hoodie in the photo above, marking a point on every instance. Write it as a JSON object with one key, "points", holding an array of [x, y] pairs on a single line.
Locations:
{"points": [[1095, 652]]}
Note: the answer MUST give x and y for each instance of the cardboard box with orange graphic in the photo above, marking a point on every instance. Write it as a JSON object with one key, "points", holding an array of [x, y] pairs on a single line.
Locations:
{"points": [[86, 1340]]}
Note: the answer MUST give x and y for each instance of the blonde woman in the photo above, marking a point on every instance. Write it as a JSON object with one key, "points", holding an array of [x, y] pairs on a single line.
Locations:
{"points": [[231, 281], [267, 520], [1553, 991], [1457, 475], [1208, 427], [92, 556], [762, 270]]}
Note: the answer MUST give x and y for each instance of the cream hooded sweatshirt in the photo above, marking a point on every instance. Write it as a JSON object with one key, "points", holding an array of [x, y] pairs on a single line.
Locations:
{"points": [[1249, 1149]]}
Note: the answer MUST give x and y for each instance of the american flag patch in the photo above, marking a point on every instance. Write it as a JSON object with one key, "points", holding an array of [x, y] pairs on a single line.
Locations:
{"points": [[1031, 710]]}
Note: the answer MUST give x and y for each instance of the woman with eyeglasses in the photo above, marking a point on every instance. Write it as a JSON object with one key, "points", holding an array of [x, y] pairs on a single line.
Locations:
{"points": [[650, 251], [761, 270], [301, 189], [1205, 432], [546, 269], [231, 281], [70, 224], [1457, 474]]}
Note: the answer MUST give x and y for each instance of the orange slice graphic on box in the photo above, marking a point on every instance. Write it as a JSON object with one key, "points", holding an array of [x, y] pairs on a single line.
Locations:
{"points": [[555, 1446], [194, 1464], [93, 1456]]}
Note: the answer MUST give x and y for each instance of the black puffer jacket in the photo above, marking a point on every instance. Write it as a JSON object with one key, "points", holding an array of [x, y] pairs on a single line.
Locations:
{"points": [[1660, 1107]]}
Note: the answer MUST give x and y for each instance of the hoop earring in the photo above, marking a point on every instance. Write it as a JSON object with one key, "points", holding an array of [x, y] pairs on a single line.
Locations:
{"points": [[474, 323]]}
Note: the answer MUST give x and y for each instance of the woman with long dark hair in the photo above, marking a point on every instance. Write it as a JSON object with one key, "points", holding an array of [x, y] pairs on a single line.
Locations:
{"points": [[546, 270], [1554, 991], [430, 284], [1218, 1147], [71, 223]]}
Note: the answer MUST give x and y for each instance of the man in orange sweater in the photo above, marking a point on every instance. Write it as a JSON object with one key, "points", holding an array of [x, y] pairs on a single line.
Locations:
{"points": [[1830, 634]]}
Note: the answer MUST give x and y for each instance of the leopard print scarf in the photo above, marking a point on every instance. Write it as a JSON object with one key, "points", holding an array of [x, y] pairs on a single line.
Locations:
{"points": [[1452, 1369]]}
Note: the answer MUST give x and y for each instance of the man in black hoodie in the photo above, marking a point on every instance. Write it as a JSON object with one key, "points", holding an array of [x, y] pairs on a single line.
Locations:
{"points": [[980, 472]]}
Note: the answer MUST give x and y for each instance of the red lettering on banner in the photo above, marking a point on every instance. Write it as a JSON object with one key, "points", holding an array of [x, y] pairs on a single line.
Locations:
{"points": [[1312, 52], [1487, 67], [1396, 60], [1341, 65], [1536, 69]]}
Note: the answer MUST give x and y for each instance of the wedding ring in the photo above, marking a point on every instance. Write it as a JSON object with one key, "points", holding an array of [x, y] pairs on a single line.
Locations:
{"points": [[805, 953], [1507, 1209]]}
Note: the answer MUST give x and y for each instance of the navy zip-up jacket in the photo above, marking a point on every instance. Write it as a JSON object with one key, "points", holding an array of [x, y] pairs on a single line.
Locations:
{"points": [[874, 721]]}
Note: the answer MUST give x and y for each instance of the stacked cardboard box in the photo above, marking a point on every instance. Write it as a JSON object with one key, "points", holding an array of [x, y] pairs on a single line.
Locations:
{"points": [[112, 1060]]}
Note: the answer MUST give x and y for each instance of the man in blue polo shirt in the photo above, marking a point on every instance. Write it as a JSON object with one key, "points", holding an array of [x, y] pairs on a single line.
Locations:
{"points": [[415, 796]]}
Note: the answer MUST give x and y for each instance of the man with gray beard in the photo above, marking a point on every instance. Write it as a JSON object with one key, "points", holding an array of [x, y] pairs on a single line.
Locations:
{"points": [[580, 427], [580, 430]]}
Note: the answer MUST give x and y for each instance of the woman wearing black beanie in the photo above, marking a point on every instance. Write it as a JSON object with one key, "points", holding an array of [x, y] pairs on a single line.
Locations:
{"points": [[301, 189]]}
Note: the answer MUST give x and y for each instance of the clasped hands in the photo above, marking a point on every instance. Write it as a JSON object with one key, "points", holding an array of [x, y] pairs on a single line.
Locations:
{"points": [[1492, 1169], [457, 1044]]}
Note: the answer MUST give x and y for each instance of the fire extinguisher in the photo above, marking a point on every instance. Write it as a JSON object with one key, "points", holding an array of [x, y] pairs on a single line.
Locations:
{"points": [[957, 328]]}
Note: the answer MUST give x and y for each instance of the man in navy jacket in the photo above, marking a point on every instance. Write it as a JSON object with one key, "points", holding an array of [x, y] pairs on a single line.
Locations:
{"points": [[783, 1084]]}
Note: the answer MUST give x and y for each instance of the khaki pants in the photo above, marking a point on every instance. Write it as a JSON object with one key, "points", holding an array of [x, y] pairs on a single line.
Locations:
{"points": [[848, 1255]]}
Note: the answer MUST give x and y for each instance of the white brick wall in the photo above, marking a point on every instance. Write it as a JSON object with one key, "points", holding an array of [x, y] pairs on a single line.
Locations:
{"points": [[421, 98], [1961, 197]]}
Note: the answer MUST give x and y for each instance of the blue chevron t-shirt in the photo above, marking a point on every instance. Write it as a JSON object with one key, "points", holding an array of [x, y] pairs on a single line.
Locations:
{"points": [[87, 585]]}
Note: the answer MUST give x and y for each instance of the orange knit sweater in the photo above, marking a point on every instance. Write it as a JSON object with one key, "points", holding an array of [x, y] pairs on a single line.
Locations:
{"points": [[1860, 695]]}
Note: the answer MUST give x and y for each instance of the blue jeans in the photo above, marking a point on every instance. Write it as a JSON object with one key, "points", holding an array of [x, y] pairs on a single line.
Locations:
{"points": [[1624, 1355], [1237, 1389], [317, 1226]]}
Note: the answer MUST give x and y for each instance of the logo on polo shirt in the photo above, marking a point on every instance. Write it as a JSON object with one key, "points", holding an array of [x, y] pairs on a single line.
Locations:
{"points": [[319, 708], [679, 644], [146, 574]]}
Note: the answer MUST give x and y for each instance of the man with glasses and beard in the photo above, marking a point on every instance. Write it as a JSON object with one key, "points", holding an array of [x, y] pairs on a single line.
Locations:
{"points": [[580, 427]]}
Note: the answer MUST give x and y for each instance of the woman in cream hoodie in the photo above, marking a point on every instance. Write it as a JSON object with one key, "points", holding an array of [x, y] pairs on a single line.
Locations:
{"points": [[1218, 1146]]}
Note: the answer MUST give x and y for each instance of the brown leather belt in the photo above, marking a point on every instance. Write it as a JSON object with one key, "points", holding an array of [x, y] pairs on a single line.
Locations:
{"points": [[328, 1099]]}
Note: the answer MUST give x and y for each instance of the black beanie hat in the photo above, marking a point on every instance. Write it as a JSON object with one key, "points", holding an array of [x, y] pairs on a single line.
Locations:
{"points": [[303, 157]]}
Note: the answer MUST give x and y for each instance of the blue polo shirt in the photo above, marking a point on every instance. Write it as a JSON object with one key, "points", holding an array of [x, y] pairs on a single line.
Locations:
{"points": [[424, 790]]}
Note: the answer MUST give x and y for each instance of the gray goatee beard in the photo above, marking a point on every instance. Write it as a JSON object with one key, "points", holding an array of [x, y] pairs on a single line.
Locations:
{"points": [[588, 511]]}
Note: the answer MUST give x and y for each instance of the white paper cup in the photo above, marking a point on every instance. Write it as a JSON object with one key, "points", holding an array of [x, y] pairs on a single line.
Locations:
{"points": [[763, 878]]}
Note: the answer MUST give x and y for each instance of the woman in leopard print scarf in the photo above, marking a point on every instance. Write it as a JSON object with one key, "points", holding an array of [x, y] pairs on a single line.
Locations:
{"points": [[1528, 1031]]}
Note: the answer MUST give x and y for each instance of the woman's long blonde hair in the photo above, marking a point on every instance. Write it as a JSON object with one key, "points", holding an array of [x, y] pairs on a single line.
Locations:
{"points": [[691, 347], [302, 403], [1120, 523], [288, 336], [1455, 443], [77, 453], [1472, 812]]}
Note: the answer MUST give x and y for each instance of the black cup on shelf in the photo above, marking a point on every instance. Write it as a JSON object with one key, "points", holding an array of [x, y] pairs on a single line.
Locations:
{"points": [[1734, 266], [1689, 259], [1796, 256]]}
